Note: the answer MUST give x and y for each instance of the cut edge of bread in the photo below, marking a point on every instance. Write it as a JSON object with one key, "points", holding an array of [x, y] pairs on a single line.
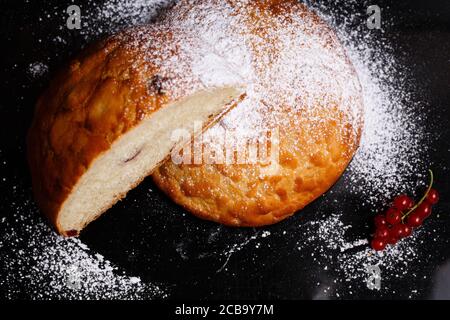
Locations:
{"points": [[136, 154]]}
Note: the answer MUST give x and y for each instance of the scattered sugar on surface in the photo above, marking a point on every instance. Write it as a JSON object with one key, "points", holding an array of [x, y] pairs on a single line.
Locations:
{"points": [[105, 18], [37, 69], [392, 148], [50, 266]]}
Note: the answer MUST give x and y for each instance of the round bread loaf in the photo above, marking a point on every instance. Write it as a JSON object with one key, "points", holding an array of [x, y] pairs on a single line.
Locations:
{"points": [[304, 95]]}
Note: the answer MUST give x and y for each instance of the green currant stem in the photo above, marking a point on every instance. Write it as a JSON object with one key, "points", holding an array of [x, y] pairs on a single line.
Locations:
{"points": [[424, 196]]}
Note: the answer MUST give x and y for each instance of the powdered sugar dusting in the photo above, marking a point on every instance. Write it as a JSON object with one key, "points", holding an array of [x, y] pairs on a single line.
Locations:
{"points": [[50, 266], [105, 18], [392, 147], [37, 69], [332, 248], [292, 63]]}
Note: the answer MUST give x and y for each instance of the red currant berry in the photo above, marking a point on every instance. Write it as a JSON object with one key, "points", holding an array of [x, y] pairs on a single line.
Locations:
{"points": [[398, 231], [381, 232], [423, 210], [380, 221], [433, 196], [407, 230], [378, 244], [403, 202], [414, 220], [393, 216], [391, 239], [410, 204]]}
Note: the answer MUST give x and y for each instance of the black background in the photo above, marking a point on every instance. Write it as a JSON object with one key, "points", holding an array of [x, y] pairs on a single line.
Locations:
{"points": [[141, 233]]}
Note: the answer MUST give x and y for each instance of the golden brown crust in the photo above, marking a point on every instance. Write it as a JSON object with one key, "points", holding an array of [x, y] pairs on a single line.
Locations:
{"points": [[240, 195], [315, 146]]}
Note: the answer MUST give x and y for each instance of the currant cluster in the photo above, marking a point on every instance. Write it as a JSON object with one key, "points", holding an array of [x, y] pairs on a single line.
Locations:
{"points": [[402, 217]]}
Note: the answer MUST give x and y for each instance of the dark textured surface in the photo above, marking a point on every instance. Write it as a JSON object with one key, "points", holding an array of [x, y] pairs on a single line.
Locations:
{"points": [[148, 236]]}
